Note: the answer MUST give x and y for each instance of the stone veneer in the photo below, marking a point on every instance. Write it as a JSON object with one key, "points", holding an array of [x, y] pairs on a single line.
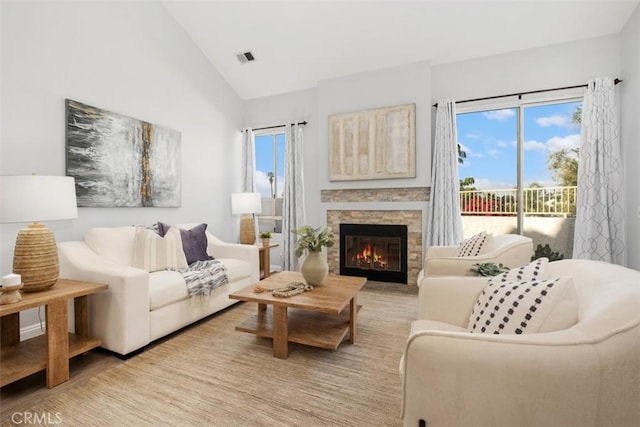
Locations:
{"points": [[412, 218]]}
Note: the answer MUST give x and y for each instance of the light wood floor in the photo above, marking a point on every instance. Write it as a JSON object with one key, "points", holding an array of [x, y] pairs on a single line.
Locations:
{"points": [[23, 394]]}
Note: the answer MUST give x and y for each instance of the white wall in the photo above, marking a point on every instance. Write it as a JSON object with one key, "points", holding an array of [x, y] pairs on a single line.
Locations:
{"points": [[127, 57], [561, 65], [630, 132], [406, 84]]}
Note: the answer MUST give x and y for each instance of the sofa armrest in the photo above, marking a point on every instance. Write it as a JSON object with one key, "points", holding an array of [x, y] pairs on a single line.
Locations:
{"points": [[249, 253], [441, 251], [118, 316], [455, 378], [451, 266], [449, 299]]}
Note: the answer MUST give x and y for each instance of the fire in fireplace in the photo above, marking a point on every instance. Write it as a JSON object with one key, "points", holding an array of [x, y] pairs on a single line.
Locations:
{"points": [[378, 252]]}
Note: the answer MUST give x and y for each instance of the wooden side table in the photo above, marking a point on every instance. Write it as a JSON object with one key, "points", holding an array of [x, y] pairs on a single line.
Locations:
{"points": [[53, 350], [265, 259]]}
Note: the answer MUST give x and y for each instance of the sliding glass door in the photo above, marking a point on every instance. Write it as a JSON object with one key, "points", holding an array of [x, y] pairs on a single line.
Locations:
{"points": [[518, 170]]}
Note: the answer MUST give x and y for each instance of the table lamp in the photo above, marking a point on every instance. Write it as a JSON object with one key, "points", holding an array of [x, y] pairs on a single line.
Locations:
{"points": [[246, 204], [34, 198]]}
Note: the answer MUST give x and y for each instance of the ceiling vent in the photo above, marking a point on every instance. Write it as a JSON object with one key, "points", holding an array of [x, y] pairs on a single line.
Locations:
{"points": [[245, 57]]}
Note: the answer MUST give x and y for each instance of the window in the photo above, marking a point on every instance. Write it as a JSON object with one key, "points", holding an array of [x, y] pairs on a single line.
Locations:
{"points": [[518, 171], [270, 179]]}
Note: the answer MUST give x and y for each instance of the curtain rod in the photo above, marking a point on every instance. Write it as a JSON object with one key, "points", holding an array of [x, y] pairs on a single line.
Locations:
{"points": [[278, 126], [519, 94]]}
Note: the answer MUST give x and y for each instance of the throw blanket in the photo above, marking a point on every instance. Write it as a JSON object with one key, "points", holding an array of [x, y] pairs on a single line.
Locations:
{"points": [[204, 277]]}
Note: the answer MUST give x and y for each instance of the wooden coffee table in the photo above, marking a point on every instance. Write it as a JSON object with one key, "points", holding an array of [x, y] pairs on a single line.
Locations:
{"points": [[317, 318]]}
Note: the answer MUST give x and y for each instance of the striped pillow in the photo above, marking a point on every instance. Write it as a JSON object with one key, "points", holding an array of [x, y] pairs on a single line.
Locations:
{"points": [[536, 270], [525, 307], [474, 245], [153, 253]]}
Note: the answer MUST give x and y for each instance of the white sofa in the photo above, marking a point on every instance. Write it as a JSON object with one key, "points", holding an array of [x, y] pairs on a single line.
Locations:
{"points": [[140, 307], [584, 375]]}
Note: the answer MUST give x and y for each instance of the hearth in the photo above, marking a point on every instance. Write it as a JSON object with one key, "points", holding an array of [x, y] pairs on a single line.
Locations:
{"points": [[375, 251]]}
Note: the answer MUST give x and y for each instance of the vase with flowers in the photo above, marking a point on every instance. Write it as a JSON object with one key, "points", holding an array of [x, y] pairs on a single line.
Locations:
{"points": [[314, 269]]}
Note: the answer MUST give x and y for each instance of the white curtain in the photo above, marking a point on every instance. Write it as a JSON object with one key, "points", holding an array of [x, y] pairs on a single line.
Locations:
{"points": [[444, 227], [293, 212], [599, 229], [249, 164]]}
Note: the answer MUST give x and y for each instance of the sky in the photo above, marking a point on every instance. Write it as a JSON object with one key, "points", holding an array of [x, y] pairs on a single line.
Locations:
{"points": [[489, 139]]}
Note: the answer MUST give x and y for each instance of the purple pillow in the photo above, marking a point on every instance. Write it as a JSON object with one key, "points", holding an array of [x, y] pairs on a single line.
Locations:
{"points": [[194, 242]]}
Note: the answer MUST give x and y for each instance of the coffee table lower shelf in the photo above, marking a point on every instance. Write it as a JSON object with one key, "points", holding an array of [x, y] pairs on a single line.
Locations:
{"points": [[304, 327]]}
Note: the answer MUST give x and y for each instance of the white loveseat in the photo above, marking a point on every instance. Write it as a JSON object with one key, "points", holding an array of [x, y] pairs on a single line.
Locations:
{"points": [[584, 375], [140, 307]]}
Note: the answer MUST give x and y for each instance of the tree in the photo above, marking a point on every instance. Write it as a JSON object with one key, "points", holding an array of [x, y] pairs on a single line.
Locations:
{"points": [[576, 117], [461, 155], [271, 176], [467, 184], [563, 165]]}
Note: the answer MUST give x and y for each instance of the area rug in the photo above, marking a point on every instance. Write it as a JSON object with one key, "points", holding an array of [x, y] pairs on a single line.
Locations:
{"points": [[211, 375]]}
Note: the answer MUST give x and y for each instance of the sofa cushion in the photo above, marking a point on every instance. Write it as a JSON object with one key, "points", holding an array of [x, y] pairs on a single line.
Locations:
{"points": [[152, 252], [525, 307], [113, 243], [475, 245], [236, 268], [166, 287], [194, 241], [536, 269]]}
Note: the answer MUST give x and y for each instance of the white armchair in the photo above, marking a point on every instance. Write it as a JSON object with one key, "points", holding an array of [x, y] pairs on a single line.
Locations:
{"points": [[512, 250], [586, 375]]}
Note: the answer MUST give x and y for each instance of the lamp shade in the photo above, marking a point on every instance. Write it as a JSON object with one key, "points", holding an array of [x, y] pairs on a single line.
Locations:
{"points": [[245, 203], [31, 198]]}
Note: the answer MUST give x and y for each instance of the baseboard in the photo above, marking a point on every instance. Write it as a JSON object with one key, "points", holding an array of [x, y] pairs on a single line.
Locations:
{"points": [[32, 331]]}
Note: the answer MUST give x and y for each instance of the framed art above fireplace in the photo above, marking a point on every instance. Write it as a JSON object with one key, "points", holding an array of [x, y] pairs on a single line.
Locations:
{"points": [[373, 144]]}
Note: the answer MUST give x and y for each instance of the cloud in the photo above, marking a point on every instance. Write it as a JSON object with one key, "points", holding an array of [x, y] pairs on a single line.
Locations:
{"points": [[487, 184], [558, 143], [468, 151], [494, 153], [534, 145], [555, 120], [473, 135], [501, 144], [500, 115]]}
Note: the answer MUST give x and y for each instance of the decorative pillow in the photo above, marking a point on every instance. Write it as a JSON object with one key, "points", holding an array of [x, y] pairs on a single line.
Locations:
{"points": [[194, 242], [525, 307], [474, 245], [536, 269], [152, 252]]}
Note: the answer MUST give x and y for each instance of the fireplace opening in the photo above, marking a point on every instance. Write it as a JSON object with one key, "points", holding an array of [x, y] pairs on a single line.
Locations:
{"points": [[375, 251]]}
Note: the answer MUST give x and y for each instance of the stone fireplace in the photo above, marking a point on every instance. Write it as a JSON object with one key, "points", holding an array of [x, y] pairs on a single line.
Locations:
{"points": [[412, 219]]}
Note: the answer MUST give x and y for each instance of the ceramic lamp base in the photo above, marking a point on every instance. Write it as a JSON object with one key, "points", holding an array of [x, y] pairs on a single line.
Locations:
{"points": [[36, 258]]}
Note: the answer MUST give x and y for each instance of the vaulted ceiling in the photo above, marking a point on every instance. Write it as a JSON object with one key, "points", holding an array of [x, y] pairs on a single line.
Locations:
{"points": [[299, 43]]}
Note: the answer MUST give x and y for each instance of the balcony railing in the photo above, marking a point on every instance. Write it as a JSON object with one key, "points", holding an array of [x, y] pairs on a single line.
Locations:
{"points": [[543, 201]]}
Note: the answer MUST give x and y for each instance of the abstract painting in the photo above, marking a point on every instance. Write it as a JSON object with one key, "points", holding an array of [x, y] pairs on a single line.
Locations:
{"points": [[119, 161], [373, 144]]}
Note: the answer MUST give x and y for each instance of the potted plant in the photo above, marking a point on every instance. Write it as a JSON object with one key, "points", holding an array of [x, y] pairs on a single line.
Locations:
{"points": [[265, 236], [488, 269], [311, 240]]}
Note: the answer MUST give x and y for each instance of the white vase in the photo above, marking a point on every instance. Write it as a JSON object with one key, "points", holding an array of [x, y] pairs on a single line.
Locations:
{"points": [[314, 268]]}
